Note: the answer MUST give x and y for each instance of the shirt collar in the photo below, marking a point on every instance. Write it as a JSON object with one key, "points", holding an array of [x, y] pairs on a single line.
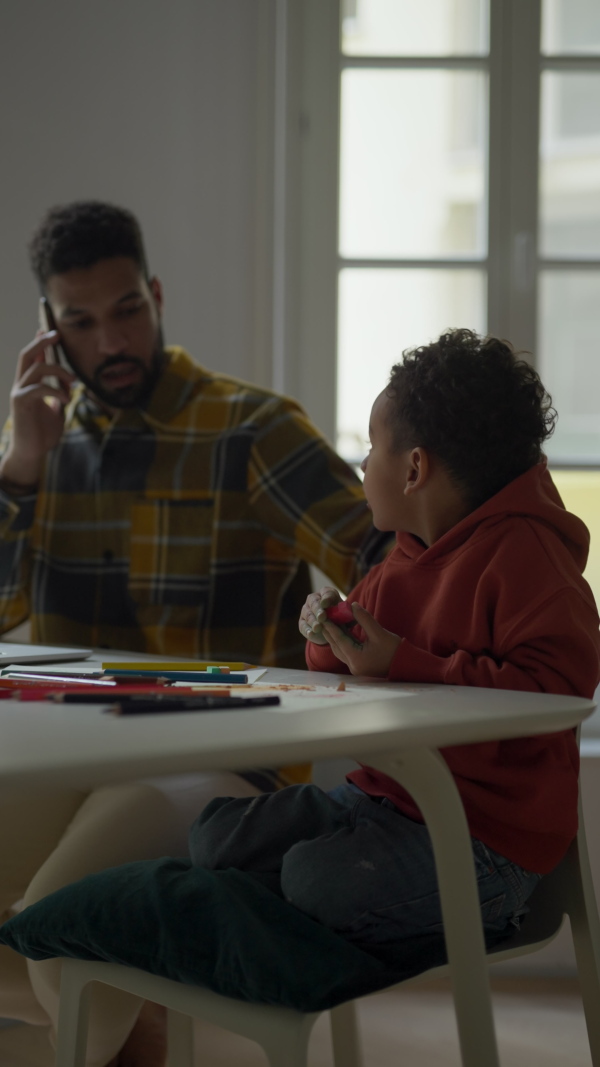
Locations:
{"points": [[180, 378]]}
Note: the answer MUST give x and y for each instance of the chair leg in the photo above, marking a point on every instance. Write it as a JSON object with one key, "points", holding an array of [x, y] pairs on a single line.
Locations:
{"points": [[427, 778], [180, 1039], [587, 969], [287, 1045], [71, 1044], [585, 927], [345, 1035], [288, 1057]]}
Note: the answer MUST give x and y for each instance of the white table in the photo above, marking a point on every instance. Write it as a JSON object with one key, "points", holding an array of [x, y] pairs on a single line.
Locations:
{"points": [[79, 745]]}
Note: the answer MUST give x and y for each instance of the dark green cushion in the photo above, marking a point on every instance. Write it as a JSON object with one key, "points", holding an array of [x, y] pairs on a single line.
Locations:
{"points": [[229, 931]]}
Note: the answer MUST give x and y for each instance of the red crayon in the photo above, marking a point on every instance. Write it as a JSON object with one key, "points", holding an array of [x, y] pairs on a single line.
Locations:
{"points": [[341, 614]]}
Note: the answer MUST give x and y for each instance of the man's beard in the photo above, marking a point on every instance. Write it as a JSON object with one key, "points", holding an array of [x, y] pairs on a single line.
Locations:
{"points": [[135, 395]]}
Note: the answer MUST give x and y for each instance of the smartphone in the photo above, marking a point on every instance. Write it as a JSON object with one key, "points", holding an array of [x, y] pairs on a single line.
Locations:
{"points": [[54, 353]]}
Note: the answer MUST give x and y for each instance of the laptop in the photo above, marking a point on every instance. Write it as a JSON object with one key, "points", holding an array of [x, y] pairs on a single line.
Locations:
{"points": [[15, 653]]}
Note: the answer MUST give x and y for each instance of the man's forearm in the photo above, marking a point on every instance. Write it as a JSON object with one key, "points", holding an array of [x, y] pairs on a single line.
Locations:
{"points": [[16, 520]]}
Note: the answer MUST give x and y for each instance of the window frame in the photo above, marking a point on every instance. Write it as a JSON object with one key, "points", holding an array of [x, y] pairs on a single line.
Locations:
{"points": [[305, 100]]}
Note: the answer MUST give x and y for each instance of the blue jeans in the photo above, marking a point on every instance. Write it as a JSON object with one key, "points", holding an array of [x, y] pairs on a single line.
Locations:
{"points": [[352, 863]]}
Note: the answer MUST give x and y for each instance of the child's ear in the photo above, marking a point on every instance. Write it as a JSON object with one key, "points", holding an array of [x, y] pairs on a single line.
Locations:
{"points": [[417, 470]]}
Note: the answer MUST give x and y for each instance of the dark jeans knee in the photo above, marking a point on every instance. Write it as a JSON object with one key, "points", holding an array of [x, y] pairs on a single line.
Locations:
{"points": [[213, 834], [253, 834]]}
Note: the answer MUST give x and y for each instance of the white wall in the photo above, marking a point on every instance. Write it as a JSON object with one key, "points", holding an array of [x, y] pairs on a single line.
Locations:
{"points": [[151, 104]]}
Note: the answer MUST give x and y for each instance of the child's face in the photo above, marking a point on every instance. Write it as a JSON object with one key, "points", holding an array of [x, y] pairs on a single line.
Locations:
{"points": [[385, 472]]}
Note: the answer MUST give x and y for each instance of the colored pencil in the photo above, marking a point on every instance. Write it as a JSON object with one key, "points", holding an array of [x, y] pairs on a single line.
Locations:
{"points": [[179, 676], [174, 665], [162, 705], [124, 694]]}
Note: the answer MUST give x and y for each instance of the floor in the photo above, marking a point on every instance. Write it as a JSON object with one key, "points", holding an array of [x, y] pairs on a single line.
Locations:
{"points": [[540, 1023]]}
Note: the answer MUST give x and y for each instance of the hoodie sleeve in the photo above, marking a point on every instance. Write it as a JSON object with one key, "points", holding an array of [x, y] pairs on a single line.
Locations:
{"points": [[555, 649], [321, 658]]}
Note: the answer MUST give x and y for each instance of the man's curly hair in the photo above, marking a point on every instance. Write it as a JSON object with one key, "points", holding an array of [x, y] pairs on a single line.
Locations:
{"points": [[81, 234], [474, 404]]}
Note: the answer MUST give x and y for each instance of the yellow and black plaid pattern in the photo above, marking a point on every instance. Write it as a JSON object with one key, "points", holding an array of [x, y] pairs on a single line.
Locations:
{"points": [[186, 528]]}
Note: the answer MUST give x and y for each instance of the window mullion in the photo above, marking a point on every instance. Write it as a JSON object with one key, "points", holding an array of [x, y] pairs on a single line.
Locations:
{"points": [[438, 263], [319, 133], [499, 172], [513, 185], [307, 367]]}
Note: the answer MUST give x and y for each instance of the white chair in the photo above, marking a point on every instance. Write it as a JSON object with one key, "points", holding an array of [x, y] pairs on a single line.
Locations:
{"points": [[284, 1033]]}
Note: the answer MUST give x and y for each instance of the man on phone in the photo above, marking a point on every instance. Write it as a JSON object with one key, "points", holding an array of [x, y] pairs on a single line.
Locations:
{"points": [[148, 504]]}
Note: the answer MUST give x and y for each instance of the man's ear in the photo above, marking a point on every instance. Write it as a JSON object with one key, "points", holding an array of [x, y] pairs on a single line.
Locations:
{"points": [[417, 470], [156, 289]]}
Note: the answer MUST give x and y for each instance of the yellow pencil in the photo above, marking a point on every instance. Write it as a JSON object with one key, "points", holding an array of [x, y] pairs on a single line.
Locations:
{"points": [[175, 665]]}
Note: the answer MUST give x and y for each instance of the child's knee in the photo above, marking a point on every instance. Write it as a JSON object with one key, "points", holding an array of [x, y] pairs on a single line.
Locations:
{"points": [[254, 834], [316, 879], [216, 840]]}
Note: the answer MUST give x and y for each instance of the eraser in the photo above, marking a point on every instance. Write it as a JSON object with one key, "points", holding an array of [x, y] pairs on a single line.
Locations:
{"points": [[341, 614], [225, 670], [213, 670]]}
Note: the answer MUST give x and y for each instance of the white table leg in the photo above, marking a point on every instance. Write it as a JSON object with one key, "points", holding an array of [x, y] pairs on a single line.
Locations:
{"points": [[425, 774]]}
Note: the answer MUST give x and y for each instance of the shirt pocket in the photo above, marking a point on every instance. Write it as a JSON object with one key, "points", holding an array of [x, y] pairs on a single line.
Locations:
{"points": [[171, 547]]}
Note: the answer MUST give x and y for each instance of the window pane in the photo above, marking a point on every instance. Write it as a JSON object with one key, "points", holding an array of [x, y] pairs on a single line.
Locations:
{"points": [[570, 165], [571, 26], [413, 178], [381, 312], [414, 27], [569, 363]]}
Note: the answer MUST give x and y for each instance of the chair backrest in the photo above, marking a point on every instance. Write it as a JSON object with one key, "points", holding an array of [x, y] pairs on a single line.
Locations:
{"points": [[568, 890]]}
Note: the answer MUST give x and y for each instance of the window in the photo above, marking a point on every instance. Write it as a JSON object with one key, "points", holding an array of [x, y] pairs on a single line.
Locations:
{"points": [[467, 145], [413, 237], [441, 223], [569, 225]]}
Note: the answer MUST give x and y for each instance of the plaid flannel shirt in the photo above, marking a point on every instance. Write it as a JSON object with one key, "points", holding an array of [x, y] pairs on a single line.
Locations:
{"points": [[185, 528]]}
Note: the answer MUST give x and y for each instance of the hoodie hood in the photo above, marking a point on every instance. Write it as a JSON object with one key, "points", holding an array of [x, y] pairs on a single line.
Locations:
{"points": [[533, 497]]}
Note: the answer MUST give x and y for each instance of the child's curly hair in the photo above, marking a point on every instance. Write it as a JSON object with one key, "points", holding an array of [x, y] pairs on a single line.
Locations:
{"points": [[469, 400]]}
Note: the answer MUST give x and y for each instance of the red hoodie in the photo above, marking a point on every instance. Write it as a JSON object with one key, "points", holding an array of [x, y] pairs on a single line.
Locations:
{"points": [[499, 601]]}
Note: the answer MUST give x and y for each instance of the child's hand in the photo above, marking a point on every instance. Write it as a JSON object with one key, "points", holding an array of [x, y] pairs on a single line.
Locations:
{"points": [[374, 655], [313, 614]]}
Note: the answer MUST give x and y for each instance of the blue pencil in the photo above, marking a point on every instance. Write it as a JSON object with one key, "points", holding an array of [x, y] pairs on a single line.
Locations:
{"points": [[182, 676]]}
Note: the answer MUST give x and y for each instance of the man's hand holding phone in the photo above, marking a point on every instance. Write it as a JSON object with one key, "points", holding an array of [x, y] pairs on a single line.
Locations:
{"points": [[37, 412]]}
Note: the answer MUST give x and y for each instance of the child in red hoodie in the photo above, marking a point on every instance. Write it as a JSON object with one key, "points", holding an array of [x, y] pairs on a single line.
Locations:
{"points": [[484, 587]]}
